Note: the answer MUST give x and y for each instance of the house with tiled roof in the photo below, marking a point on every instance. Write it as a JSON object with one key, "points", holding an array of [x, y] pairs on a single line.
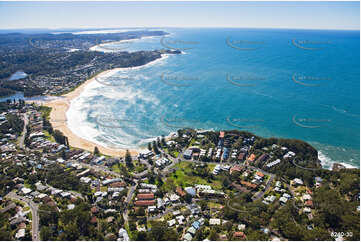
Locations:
{"points": [[239, 235], [309, 203], [145, 196], [180, 191], [249, 185], [93, 220], [235, 169], [252, 157], [144, 203]]}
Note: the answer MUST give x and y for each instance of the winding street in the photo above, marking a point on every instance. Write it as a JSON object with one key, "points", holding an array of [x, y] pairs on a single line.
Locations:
{"points": [[34, 211], [98, 168], [259, 195], [74, 193]]}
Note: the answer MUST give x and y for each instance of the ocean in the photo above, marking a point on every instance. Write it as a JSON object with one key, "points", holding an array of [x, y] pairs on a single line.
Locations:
{"points": [[302, 84]]}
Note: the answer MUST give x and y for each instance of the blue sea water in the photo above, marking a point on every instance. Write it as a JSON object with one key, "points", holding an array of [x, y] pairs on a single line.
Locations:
{"points": [[302, 84]]}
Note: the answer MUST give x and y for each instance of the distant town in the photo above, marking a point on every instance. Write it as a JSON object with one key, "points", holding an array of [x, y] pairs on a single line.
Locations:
{"points": [[189, 185], [54, 64]]}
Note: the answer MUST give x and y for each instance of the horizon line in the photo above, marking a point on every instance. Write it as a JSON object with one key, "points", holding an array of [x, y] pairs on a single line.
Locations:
{"points": [[200, 27]]}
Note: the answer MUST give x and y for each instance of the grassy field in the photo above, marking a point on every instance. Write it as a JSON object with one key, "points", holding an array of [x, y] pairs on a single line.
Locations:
{"points": [[45, 111], [183, 176], [115, 168], [48, 136]]}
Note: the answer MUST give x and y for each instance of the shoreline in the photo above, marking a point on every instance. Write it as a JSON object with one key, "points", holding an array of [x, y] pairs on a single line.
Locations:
{"points": [[102, 47], [58, 117], [58, 120]]}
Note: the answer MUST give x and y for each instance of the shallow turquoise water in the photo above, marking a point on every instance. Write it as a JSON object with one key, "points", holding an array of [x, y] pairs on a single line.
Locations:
{"points": [[287, 83]]}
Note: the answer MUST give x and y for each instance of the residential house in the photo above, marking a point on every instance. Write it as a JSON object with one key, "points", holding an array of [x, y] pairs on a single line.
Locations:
{"points": [[214, 221], [144, 203], [239, 235], [147, 196]]}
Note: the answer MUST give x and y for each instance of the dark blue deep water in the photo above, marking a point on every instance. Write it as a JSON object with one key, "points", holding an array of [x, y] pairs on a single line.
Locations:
{"points": [[302, 84]]}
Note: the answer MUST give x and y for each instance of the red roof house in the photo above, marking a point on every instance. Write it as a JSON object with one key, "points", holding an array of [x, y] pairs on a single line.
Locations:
{"points": [[145, 196], [144, 203], [180, 191], [234, 169], [239, 235]]}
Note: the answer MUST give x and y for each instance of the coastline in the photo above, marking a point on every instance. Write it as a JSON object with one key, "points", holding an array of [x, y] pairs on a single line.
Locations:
{"points": [[58, 120], [102, 47], [60, 106]]}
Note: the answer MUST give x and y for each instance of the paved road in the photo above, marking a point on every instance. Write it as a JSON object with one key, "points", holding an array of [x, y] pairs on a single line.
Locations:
{"points": [[305, 168], [259, 195], [235, 209], [22, 138], [108, 171], [34, 211], [127, 201], [98, 168], [74, 193]]}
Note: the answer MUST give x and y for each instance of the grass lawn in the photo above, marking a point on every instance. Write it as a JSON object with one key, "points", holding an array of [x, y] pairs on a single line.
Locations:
{"points": [[115, 168], [183, 176], [45, 111], [27, 185], [48, 136], [192, 142], [174, 154], [214, 205], [140, 168], [168, 216]]}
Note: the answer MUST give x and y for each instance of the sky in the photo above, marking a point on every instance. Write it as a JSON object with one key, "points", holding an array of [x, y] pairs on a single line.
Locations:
{"points": [[293, 15]]}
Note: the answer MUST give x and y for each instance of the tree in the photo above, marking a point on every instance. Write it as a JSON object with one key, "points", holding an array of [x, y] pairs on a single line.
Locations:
{"points": [[142, 236], [132, 226], [128, 160], [256, 235], [5, 235], [163, 141], [48, 215], [46, 233], [140, 212], [96, 150], [158, 142], [160, 181], [160, 231], [59, 137], [213, 235], [63, 154], [155, 148], [71, 232], [188, 198]]}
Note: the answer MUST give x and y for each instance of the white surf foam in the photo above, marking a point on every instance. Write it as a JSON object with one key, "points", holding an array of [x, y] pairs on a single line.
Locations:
{"points": [[78, 113], [327, 162]]}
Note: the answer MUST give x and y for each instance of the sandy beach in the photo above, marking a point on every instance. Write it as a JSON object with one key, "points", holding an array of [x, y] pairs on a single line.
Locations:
{"points": [[60, 107], [58, 121]]}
